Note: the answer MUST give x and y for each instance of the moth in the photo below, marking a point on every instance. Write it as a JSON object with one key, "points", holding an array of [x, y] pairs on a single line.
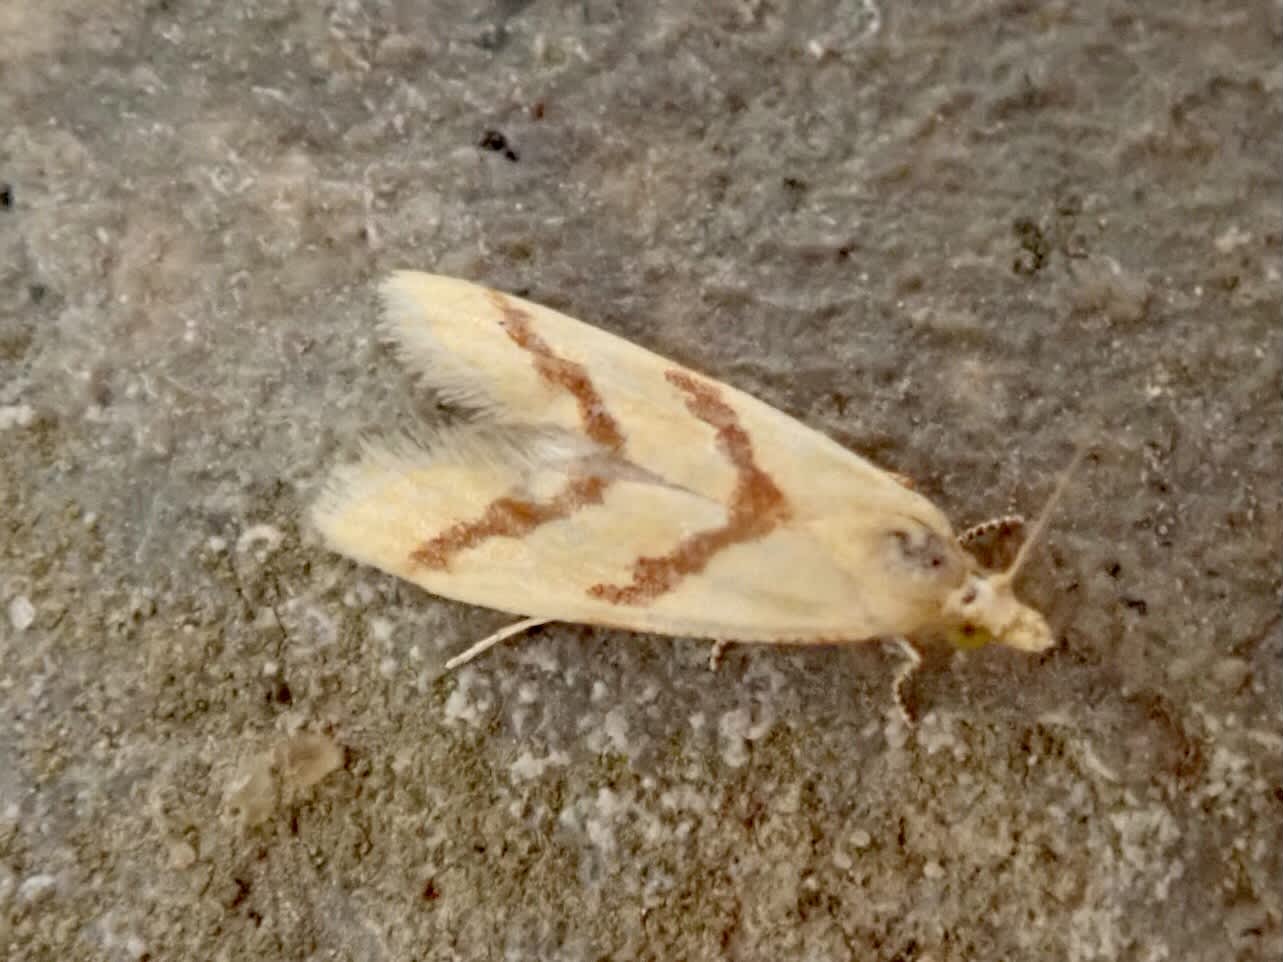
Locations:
{"points": [[602, 484]]}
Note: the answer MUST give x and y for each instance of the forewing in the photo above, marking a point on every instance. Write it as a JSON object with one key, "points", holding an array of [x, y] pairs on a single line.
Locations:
{"points": [[519, 361], [502, 529]]}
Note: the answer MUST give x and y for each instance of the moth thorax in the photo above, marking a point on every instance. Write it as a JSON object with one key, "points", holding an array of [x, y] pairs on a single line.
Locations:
{"points": [[986, 609]]}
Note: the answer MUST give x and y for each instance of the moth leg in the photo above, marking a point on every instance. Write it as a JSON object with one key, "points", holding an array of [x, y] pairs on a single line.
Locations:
{"points": [[1008, 522], [715, 653], [908, 668], [490, 641]]}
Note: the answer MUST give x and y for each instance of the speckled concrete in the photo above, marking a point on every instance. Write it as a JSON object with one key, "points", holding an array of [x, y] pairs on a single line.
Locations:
{"points": [[955, 240]]}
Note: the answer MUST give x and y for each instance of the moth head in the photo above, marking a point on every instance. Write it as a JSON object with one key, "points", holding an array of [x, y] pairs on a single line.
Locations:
{"points": [[985, 608]]}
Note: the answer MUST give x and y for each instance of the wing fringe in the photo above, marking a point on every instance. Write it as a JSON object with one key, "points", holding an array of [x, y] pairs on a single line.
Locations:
{"points": [[455, 382], [512, 451]]}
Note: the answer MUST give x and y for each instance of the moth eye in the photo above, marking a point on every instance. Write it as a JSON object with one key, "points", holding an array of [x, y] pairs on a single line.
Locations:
{"points": [[968, 597]]}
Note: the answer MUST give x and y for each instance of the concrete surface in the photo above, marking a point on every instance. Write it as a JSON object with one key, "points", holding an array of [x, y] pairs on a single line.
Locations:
{"points": [[955, 236]]}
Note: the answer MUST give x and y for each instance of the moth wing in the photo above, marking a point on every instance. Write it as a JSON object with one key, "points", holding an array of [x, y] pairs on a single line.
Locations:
{"points": [[501, 519], [519, 361]]}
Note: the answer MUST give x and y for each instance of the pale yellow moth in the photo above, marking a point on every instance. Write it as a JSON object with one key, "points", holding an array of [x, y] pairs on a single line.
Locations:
{"points": [[605, 485]]}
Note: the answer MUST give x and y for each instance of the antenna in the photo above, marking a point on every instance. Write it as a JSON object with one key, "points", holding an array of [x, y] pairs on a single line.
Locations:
{"points": [[1039, 526]]}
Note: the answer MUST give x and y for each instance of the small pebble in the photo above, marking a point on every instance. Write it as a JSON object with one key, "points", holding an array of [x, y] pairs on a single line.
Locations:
{"points": [[21, 612], [36, 888]]}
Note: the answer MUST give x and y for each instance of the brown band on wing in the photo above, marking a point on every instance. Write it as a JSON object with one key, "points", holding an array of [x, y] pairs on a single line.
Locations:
{"points": [[511, 517], [570, 376], [757, 506]]}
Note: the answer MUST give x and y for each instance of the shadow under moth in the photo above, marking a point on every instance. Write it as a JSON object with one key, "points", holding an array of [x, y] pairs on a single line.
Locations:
{"points": [[603, 484]]}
